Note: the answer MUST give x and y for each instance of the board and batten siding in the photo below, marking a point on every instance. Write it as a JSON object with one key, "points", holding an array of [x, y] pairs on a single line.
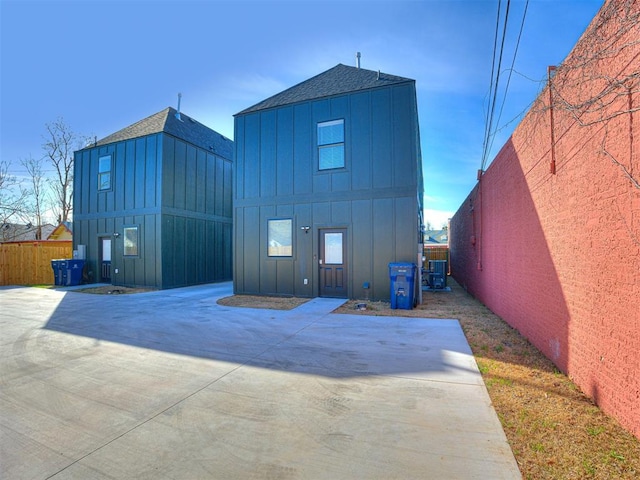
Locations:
{"points": [[176, 193], [374, 196]]}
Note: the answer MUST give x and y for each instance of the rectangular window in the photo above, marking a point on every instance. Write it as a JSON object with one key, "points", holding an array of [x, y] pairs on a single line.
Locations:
{"points": [[279, 236], [104, 172], [331, 145], [131, 241]]}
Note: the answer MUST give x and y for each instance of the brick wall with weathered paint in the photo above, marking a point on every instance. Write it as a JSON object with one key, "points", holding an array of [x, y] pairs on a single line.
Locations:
{"points": [[557, 256]]}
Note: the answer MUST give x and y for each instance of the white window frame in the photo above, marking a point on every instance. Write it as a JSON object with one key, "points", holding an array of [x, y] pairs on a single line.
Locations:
{"points": [[104, 174], [279, 240], [131, 247], [332, 148]]}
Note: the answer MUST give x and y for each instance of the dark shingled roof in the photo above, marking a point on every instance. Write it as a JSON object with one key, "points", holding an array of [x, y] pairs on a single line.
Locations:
{"points": [[186, 129], [335, 81]]}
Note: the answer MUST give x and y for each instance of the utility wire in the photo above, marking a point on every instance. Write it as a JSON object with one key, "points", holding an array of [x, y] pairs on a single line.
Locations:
{"points": [[506, 90], [493, 66], [494, 86]]}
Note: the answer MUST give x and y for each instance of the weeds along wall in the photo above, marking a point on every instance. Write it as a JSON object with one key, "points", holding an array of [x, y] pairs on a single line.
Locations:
{"points": [[549, 239]]}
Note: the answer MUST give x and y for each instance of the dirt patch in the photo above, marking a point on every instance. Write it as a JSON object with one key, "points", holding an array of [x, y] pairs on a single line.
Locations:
{"points": [[259, 301], [554, 430], [113, 290]]}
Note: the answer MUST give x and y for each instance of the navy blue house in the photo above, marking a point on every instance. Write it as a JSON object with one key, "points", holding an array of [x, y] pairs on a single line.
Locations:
{"points": [[328, 187], [153, 204]]}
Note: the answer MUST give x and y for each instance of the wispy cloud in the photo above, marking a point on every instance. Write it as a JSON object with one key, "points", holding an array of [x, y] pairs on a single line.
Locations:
{"points": [[251, 86], [437, 218]]}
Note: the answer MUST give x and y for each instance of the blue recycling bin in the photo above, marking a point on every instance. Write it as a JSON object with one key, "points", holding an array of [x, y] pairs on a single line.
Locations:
{"points": [[74, 268], [402, 276], [56, 265]]}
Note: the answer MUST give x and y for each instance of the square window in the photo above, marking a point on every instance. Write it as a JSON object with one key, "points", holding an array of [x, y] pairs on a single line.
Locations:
{"points": [[279, 238], [131, 240], [331, 157], [104, 172], [331, 145]]}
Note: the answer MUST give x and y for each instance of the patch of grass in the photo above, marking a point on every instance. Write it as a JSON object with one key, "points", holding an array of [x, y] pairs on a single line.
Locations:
{"points": [[588, 467], [595, 431], [268, 302], [537, 447], [547, 424], [483, 367], [616, 456], [503, 382]]}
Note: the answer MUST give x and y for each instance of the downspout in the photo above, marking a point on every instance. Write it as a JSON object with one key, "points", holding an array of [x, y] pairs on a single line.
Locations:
{"points": [[479, 241], [630, 96], [552, 166]]}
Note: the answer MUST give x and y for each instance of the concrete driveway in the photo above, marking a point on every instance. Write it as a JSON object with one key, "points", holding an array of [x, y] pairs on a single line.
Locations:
{"points": [[170, 385]]}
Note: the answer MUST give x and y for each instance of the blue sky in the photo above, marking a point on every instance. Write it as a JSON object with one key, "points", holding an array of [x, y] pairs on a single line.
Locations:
{"points": [[103, 65]]}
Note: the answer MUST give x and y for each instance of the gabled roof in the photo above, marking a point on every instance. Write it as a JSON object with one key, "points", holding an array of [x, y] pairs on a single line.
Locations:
{"points": [[335, 81], [436, 237], [62, 232], [186, 129]]}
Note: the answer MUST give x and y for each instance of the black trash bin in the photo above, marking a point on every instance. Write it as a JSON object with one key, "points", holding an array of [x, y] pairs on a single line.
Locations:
{"points": [[402, 276], [75, 267]]}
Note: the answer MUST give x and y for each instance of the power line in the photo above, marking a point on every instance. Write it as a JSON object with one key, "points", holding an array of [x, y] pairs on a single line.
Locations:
{"points": [[485, 154], [489, 135], [491, 86], [513, 61]]}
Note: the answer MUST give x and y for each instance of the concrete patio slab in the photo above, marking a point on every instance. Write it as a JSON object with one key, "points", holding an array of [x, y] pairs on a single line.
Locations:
{"points": [[171, 385]]}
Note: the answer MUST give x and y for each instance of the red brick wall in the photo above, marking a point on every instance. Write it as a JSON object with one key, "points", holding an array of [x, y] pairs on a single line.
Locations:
{"points": [[557, 256]]}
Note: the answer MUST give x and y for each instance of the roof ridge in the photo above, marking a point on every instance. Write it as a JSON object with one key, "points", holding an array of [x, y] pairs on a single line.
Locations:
{"points": [[295, 86], [337, 80], [167, 109], [166, 121]]}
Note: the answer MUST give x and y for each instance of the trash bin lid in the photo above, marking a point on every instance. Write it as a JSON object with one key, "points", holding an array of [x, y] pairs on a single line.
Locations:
{"points": [[401, 267]]}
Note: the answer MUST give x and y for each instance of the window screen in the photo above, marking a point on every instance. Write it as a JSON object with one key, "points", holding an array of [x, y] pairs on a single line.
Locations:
{"points": [[104, 172], [331, 145]]}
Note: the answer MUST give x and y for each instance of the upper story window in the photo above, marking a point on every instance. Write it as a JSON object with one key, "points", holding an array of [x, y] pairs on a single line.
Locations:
{"points": [[104, 172], [331, 145]]}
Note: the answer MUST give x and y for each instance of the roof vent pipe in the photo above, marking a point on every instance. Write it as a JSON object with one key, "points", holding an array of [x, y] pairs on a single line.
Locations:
{"points": [[357, 59], [178, 112]]}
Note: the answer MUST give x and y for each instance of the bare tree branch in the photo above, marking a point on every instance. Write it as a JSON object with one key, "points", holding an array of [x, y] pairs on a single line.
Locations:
{"points": [[12, 199], [585, 88], [36, 204], [59, 146]]}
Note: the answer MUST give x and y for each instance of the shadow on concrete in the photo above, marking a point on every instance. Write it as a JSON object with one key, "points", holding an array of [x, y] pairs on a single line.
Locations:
{"points": [[188, 321]]}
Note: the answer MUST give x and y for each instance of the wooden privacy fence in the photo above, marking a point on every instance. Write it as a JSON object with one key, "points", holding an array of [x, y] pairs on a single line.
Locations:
{"points": [[29, 263], [436, 253]]}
